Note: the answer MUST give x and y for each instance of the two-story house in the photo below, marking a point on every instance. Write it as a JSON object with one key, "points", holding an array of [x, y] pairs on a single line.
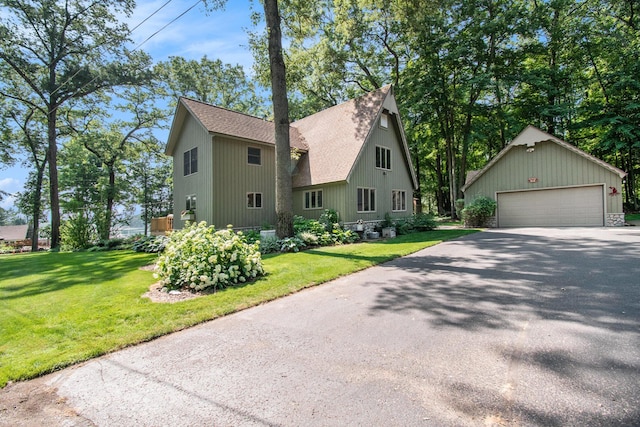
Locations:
{"points": [[352, 157]]}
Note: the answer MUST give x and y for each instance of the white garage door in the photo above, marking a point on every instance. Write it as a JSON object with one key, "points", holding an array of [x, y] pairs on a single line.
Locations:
{"points": [[576, 206]]}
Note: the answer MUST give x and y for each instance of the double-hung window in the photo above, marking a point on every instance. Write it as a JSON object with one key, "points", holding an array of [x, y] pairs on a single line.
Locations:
{"points": [[398, 200], [191, 161], [254, 200], [313, 199], [366, 199], [383, 158], [254, 156], [191, 202]]}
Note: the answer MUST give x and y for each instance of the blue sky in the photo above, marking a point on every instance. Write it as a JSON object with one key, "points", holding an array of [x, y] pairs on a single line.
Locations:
{"points": [[219, 34]]}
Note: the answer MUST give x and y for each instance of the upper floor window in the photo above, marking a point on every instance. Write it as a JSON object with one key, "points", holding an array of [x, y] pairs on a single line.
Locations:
{"points": [[398, 200], [384, 120], [383, 158], [254, 200], [254, 156], [366, 199], [191, 161], [313, 199]]}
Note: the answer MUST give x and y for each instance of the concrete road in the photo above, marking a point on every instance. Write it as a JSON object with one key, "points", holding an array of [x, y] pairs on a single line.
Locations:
{"points": [[531, 327]]}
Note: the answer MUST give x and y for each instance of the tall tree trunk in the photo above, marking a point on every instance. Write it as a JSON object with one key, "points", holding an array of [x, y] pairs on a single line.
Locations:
{"points": [[37, 206], [53, 177], [111, 195], [440, 199], [145, 199], [284, 196]]}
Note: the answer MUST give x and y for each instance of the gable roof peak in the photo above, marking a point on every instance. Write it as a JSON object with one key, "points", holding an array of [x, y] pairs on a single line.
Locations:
{"points": [[529, 137], [221, 121]]}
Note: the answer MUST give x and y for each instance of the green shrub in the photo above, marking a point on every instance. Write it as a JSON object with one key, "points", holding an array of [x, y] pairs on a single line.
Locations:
{"points": [[301, 224], [308, 238], [269, 245], [415, 223], [252, 236], [339, 235], [404, 226], [149, 244], [291, 244], [478, 212], [199, 257], [77, 233], [328, 218], [424, 222]]}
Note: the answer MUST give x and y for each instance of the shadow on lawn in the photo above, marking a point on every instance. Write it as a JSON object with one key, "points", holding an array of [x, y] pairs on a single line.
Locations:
{"points": [[434, 236], [56, 271]]}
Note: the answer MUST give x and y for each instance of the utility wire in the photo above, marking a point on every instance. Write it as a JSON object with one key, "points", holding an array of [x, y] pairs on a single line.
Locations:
{"points": [[139, 45], [166, 25], [130, 32]]}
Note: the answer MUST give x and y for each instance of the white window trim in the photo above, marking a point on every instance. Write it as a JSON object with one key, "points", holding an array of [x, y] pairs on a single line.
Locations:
{"points": [[254, 200], [254, 164], [384, 121], [304, 199], [383, 149], [375, 208], [190, 163], [393, 209], [187, 204]]}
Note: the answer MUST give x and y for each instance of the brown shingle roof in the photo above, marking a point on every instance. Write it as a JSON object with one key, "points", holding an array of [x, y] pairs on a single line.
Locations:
{"points": [[226, 122], [13, 232], [331, 140], [335, 137]]}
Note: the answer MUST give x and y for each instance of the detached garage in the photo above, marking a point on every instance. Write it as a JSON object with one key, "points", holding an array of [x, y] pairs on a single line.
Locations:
{"points": [[539, 180]]}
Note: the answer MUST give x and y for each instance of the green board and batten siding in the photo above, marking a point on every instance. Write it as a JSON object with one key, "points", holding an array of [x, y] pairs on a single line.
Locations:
{"points": [[192, 134], [342, 196], [233, 178], [550, 166], [223, 171], [366, 174], [333, 197]]}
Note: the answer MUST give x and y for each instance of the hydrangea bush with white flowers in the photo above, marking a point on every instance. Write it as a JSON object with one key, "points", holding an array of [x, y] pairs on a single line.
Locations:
{"points": [[200, 257]]}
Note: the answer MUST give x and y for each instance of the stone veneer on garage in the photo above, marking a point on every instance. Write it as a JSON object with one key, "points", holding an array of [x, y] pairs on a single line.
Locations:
{"points": [[613, 220]]}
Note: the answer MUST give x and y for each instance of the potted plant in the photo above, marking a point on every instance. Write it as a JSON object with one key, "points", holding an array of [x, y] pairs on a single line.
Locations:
{"points": [[268, 232], [359, 225], [188, 215], [388, 229]]}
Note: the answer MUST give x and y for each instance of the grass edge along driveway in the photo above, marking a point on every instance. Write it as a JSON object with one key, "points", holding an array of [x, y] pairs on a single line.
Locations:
{"points": [[63, 308]]}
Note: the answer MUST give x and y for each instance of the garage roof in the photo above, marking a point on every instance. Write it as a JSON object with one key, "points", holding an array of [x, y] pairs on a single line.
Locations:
{"points": [[529, 137]]}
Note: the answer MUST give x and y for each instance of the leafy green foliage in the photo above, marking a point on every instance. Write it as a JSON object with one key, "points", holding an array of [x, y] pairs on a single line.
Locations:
{"points": [[291, 244], [415, 223], [199, 257], [478, 211], [149, 244], [211, 81], [77, 232]]}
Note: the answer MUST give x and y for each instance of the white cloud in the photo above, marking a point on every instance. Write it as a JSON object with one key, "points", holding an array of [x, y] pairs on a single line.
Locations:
{"points": [[219, 34], [9, 185]]}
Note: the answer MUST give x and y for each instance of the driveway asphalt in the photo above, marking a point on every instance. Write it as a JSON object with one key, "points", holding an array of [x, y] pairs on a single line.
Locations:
{"points": [[531, 327]]}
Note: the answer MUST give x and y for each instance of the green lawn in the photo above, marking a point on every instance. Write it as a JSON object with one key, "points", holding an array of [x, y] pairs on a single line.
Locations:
{"points": [[61, 308], [632, 217]]}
